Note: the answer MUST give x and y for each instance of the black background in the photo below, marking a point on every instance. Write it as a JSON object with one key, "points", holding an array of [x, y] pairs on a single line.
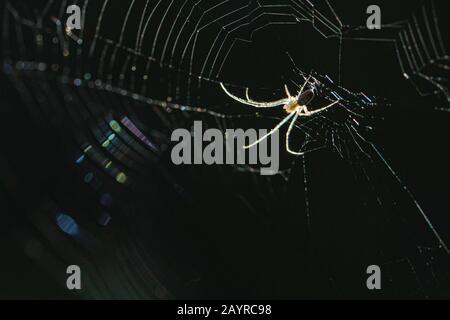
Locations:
{"points": [[238, 235]]}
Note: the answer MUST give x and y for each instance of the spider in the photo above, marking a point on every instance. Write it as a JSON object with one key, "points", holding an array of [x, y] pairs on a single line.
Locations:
{"points": [[295, 106]]}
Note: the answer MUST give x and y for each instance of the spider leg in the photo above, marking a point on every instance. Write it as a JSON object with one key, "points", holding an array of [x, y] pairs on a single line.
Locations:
{"points": [[287, 91], [282, 122], [256, 104], [246, 95], [310, 113], [288, 134]]}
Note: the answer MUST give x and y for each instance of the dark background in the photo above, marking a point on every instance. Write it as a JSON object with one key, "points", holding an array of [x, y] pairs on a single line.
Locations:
{"points": [[216, 232]]}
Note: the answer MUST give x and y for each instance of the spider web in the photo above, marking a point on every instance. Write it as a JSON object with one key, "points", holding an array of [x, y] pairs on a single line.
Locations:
{"points": [[139, 69], [420, 49]]}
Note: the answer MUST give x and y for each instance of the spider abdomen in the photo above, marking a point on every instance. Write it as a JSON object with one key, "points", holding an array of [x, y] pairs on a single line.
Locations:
{"points": [[305, 98]]}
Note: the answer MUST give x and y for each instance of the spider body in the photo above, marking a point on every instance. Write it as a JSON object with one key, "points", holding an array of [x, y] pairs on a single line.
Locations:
{"points": [[295, 106], [291, 106]]}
